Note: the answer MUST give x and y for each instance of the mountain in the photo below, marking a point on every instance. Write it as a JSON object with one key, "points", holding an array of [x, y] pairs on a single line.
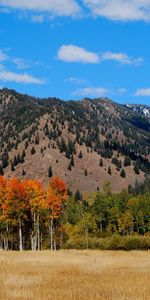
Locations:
{"points": [[143, 110], [84, 142]]}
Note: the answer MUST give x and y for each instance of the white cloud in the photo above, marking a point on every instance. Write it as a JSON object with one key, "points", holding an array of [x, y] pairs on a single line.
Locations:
{"points": [[120, 10], [8, 76], [92, 92], [72, 53], [122, 91], [75, 80], [142, 92], [20, 63], [122, 58], [37, 18], [3, 56], [54, 7]]}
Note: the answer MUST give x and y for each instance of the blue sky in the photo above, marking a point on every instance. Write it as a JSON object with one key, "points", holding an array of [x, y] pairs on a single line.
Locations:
{"points": [[73, 49]]}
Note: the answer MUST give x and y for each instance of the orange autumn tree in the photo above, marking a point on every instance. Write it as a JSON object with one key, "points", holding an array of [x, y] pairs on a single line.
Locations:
{"points": [[15, 205], [56, 196], [35, 199], [25, 207]]}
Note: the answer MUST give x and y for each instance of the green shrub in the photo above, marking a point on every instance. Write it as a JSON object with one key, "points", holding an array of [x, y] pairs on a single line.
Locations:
{"points": [[136, 243], [114, 242]]}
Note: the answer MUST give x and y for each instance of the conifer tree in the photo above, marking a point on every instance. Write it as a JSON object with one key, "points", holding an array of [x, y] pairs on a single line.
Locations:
{"points": [[69, 166], [85, 172], [136, 169], [80, 154], [33, 150], [101, 163], [50, 173], [1, 171], [109, 170], [123, 173], [12, 167], [72, 160]]}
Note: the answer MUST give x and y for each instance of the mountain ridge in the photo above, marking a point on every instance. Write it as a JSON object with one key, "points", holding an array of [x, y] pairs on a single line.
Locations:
{"points": [[86, 142]]}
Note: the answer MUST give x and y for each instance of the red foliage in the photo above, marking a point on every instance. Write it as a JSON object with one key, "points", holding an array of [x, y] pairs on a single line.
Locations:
{"points": [[56, 196], [16, 197]]}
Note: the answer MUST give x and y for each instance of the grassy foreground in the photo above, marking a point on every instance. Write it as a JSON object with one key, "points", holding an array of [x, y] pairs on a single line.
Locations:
{"points": [[75, 275]]}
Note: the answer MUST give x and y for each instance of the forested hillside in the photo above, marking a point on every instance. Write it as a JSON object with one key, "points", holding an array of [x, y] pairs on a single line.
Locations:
{"points": [[85, 142]]}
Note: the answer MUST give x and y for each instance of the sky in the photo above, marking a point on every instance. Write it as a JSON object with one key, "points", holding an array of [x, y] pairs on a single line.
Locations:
{"points": [[73, 49]]}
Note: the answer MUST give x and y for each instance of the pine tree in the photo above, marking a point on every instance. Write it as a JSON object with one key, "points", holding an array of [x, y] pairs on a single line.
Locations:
{"points": [[136, 169], [50, 173], [69, 166], [33, 150], [18, 158], [72, 160], [78, 196], [62, 146], [85, 172], [22, 159], [15, 161], [123, 173], [109, 170], [26, 144], [23, 172], [101, 163], [23, 153], [5, 158], [1, 171], [80, 154], [127, 161], [12, 167]]}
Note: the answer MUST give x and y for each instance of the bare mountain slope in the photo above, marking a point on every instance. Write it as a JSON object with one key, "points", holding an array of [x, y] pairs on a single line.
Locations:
{"points": [[85, 142]]}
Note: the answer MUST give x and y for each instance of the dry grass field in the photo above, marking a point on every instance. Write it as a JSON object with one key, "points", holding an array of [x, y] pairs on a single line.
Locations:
{"points": [[75, 275]]}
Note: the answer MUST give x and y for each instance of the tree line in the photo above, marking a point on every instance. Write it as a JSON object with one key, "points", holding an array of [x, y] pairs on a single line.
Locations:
{"points": [[36, 217]]}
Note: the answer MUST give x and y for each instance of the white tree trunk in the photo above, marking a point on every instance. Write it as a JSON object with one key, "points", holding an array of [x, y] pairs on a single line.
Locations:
{"points": [[34, 234], [51, 233], [38, 231], [20, 236]]}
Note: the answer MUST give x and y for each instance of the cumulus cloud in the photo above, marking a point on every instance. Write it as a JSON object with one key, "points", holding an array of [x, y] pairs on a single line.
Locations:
{"points": [[8, 76], [122, 58], [72, 53], [142, 92], [54, 7], [120, 10], [92, 92]]}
